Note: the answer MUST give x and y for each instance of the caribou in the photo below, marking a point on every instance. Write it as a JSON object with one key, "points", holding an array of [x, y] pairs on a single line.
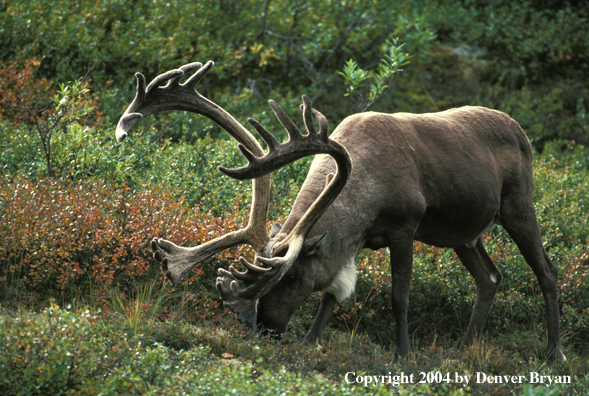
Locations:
{"points": [[379, 180]]}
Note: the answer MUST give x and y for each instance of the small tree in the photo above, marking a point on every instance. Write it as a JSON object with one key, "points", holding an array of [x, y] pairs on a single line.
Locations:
{"points": [[71, 104], [366, 87]]}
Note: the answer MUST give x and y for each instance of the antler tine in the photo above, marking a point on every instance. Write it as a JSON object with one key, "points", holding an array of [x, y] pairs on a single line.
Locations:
{"points": [[242, 276], [308, 114], [267, 136], [289, 126], [171, 76], [187, 68], [323, 126], [196, 77], [253, 267], [141, 88], [130, 117], [278, 155]]}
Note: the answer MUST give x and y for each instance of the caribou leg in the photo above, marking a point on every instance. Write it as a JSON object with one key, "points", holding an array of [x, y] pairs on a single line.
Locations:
{"points": [[315, 333], [487, 278], [519, 219], [401, 267]]}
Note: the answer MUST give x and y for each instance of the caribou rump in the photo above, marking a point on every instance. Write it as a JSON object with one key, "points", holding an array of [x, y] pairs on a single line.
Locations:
{"points": [[380, 180]]}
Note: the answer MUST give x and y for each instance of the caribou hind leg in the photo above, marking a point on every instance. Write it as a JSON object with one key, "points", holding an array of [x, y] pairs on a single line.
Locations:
{"points": [[519, 219], [487, 278]]}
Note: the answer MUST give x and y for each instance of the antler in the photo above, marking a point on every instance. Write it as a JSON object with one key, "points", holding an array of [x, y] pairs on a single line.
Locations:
{"points": [[257, 280], [155, 97]]}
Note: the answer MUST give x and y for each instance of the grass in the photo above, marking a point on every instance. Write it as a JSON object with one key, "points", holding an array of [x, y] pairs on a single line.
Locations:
{"points": [[142, 306], [149, 343]]}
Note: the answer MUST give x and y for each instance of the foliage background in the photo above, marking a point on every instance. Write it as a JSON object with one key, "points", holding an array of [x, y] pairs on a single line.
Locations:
{"points": [[78, 234]]}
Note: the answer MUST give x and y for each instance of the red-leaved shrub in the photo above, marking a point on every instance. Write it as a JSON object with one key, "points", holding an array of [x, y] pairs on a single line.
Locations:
{"points": [[57, 235], [21, 92]]}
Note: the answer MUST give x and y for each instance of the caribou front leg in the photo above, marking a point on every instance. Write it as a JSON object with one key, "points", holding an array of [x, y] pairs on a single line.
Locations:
{"points": [[315, 333], [401, 268]]}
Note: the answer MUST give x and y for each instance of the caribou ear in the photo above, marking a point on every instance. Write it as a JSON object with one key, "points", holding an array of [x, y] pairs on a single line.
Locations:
{"points": [[311, 245], [275, 230]]}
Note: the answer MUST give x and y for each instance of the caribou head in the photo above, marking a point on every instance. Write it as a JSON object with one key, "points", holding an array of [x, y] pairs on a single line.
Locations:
{"points": [[441, 178]]}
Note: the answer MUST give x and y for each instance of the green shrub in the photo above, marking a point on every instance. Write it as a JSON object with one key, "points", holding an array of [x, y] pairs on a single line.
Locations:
{"points": [[191, 169], [286, 49], [294, 45], [61, 352], [525, 41], [57, 352], [544, 116]]}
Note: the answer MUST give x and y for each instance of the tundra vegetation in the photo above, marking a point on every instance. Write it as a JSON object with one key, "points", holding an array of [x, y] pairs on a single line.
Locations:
{"points": [[84, 309]]}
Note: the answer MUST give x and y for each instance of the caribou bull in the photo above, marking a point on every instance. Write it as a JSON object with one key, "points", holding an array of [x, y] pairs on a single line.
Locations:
{"points": [[380, 180]]}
